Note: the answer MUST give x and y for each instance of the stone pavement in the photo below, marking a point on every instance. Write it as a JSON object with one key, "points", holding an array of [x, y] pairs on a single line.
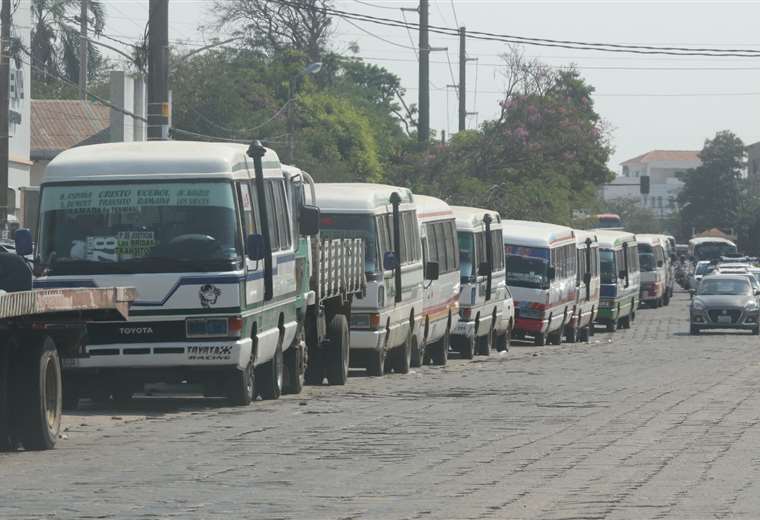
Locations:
{"points": [[643, 423]]}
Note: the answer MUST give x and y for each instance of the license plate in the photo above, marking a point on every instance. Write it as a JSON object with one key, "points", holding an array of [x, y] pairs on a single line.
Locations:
{"points": [[724, 319]]}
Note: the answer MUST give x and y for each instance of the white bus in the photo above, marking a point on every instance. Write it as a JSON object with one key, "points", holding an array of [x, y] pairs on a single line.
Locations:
{"points": [[587, 283], [486, 308], [619, 269], [541, 273], [440, 253], [386, 321], [653, 266], [210, 247], [710, 248]]}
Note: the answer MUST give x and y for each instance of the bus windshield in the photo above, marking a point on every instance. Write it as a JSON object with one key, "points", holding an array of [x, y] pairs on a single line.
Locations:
{"points": [[713, 250], [527, 266], [146, 227], [607, 266], [646, 258], [466, 255], [351, 225]]}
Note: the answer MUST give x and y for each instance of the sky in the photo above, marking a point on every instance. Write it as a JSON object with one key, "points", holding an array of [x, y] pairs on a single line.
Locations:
{"points": [[649, 102]]}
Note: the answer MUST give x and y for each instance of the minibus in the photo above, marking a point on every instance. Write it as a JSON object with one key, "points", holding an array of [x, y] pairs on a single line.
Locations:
{"points": [[182, 222], [587, 283], [486, 308], [440, 255], [653, 265], [541, 274], [385, 322], [710, 248], [619, 269]]}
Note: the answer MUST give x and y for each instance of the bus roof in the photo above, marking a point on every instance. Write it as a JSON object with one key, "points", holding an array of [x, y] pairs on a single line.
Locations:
{"points": [[651, 239], [358, 197], [706, 240], [147, 160], [537, 234], [471, 219], [609, 239], [582, 235], [430, 209]]}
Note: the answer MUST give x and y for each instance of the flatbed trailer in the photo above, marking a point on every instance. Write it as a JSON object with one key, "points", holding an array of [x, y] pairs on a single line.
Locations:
{"points": [[39, 331]]}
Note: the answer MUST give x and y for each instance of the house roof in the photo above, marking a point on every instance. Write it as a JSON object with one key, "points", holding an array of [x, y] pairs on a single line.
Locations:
{"points": [[665, 155], [58, 125]]}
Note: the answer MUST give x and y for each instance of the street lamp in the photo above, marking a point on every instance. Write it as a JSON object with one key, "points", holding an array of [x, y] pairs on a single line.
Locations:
{"points": [[311, 68]]}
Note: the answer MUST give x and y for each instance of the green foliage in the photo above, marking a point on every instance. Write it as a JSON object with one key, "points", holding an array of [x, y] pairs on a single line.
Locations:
{"points": [[712, 192]]}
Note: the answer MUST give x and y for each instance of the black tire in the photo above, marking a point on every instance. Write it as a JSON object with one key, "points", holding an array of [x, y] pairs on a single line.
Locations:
{"points": [[625, 323], [418, 354], [555, 338], [485, 343], [376, 363], [585, 333], [694, 330], [756, 331], [241, 385], [315, 372], [270, 376], [294, 367], [6, 440], [122, 395], [666, 298], [339, 352], [501, 341], [612, 326], [467, 347], [439, 351], [539, 339], [571, 334], [41, 393], [403, 355]]}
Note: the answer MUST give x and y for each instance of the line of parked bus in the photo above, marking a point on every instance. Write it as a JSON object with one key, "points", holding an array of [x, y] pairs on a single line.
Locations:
{"points": [[218, 241]]}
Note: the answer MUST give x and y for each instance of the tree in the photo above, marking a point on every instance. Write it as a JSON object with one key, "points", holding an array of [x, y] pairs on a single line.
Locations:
{"points": [[55, 39], [274, 26], [712, 192]]}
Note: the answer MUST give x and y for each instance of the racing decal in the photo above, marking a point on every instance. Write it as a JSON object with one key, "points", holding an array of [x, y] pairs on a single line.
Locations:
{"points": [[221, 353], [209, 294]]}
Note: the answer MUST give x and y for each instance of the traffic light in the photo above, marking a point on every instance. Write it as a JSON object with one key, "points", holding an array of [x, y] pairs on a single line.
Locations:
{"points": [[644, 184]]}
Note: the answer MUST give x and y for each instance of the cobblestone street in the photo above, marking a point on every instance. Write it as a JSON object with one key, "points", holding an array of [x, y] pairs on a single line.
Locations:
{"points": [[646, 423]]}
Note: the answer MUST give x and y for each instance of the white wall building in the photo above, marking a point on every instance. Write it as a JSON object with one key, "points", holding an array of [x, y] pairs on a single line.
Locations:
{"points": [[19, 126], [661, 166]]}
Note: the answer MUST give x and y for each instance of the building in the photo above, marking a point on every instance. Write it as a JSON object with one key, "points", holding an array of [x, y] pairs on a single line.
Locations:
{"points": [[661, 166], [19, 122]]}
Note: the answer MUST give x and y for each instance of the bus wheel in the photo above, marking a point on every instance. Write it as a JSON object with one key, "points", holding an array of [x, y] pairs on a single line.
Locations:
{"points": [[418, 354], [439, 351], [501, 342], [625, 323], [467, 347], [539, 339], [294, 369], [555, 338], [241, 385], [337, 369], [584, 334], [403, 355], [270, 376], [486, 342], [612, 326], [41, 394], [571, 334], [376, 365]]}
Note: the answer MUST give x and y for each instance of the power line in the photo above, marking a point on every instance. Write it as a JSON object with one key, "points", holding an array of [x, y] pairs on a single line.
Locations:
{"points": [[389, 42], [411, 40], [545, 42], [454, 10]]}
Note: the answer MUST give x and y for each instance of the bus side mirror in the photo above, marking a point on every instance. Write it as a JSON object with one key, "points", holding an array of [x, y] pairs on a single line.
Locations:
{"points": [[660, 263], [622, 274], [587, 278], [432, 271], [551, 273], [390, 261], [255, 247], [308, 221], [484, 269], [24, 243]]}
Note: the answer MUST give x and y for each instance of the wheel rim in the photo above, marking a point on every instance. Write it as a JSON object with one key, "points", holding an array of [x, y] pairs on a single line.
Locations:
{"points": [[345, 352], [249, 382], [51, 397], [278, 372]]}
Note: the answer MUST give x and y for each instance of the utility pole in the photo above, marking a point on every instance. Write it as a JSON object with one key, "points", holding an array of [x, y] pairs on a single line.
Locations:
{"points": [[462, 79], [5, 80], [83, 50], [423, 131], [158, 71]]}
